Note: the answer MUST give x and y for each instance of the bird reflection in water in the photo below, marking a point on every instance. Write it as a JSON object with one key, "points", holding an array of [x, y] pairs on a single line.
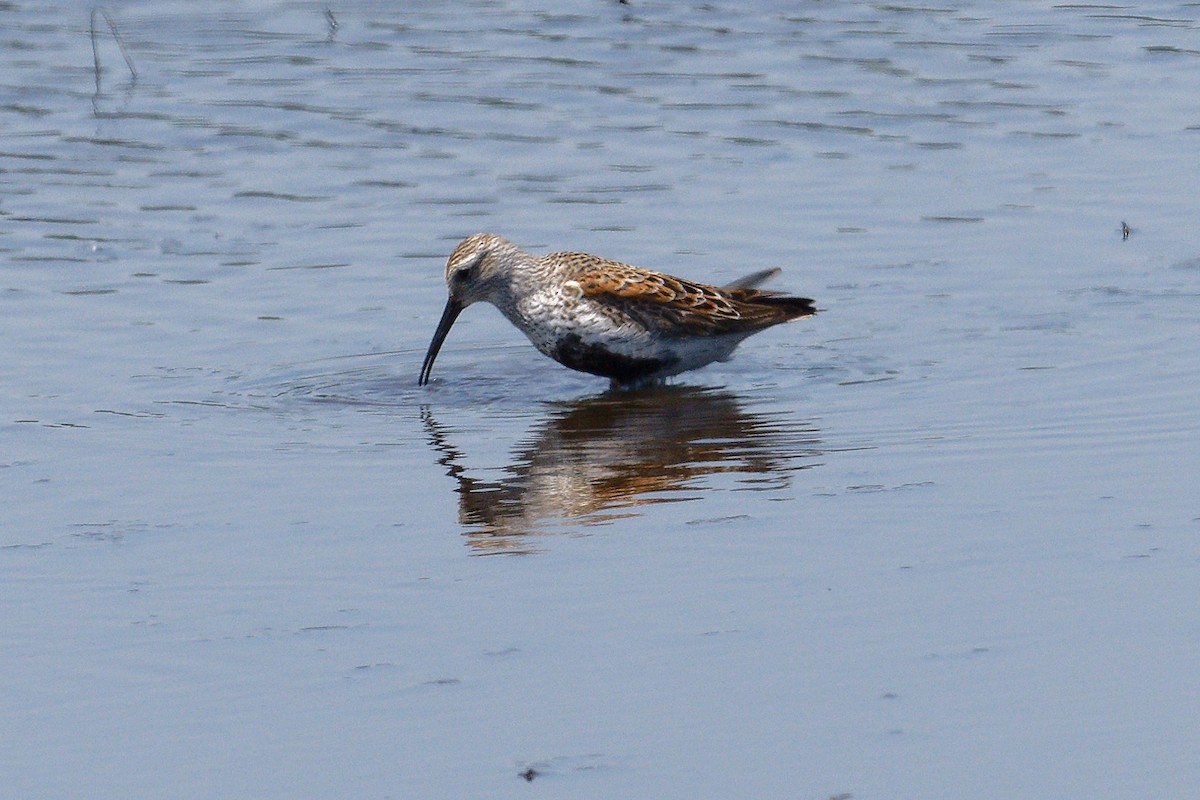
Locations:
{"points": [[595, 460]]}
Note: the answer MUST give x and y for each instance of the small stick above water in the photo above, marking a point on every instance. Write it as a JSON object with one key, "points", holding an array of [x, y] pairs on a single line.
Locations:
{"points": [[116, 34]]}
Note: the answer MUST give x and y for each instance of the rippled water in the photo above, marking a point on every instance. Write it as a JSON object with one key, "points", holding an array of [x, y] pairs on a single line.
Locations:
{"points": [[939, 540]]}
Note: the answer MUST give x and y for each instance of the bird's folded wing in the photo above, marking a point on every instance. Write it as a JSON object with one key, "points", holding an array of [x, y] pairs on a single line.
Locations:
{"points": [[672, 304]]}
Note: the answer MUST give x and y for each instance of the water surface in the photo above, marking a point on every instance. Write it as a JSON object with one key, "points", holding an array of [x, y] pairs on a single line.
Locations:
{"points": [[939, 540]]}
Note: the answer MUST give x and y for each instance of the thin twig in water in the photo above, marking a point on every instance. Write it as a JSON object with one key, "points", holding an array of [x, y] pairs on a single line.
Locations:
{"points": [[112, 26]]}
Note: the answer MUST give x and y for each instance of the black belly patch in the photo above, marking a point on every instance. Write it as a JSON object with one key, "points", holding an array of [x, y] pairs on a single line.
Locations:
{"points": [[571, 351]]}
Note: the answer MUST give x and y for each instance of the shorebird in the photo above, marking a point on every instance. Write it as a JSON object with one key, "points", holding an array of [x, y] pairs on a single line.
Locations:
{"points": [[631, 325]]}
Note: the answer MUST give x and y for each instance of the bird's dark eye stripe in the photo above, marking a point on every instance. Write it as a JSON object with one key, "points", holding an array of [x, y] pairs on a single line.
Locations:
{"points": [[464, 275]]}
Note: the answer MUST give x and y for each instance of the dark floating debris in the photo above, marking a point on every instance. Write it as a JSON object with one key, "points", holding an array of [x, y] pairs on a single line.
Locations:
{"points": [[333, 25], [529, 774], [1125, 230]]}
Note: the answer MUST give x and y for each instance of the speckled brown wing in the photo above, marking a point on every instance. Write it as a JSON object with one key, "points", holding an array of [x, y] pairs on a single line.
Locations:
{"points": [[668, 303]]}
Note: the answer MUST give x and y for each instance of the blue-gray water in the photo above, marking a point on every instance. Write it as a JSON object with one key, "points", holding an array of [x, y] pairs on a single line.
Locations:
{"points": [[939, 541]]}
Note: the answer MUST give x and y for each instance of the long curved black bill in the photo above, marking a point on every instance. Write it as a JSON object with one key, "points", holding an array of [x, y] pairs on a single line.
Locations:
{"points": [[453, 309]]}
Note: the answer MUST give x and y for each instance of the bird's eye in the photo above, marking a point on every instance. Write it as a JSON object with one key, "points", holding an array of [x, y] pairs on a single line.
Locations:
{"points": [[464, 275]]}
